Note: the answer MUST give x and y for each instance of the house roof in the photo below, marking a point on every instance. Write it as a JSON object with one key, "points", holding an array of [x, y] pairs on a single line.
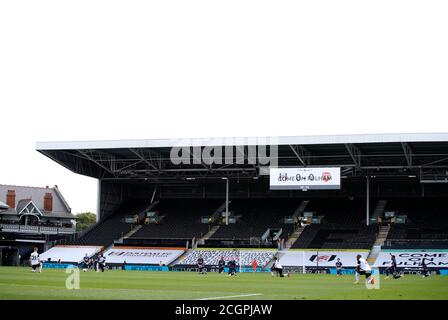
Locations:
{"points": [[26, 203], [26, 193], [22, 204]]}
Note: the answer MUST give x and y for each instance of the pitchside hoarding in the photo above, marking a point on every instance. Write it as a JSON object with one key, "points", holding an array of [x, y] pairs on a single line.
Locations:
{"points": [[305, 178], [141, 256], [73, 254], [321, 258], [414, 258]]}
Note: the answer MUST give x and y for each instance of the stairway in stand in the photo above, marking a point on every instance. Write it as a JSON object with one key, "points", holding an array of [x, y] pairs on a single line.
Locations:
{"points": [[376, 248], [127, 235], [379, 209], [294, 236], [210, 233]]}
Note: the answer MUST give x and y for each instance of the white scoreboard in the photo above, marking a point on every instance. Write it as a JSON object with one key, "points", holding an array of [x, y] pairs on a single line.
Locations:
{"points": [[305, 178]]}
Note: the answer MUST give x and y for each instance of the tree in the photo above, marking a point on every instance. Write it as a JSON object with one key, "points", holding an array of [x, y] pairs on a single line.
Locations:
{"points": [[85, 220]]}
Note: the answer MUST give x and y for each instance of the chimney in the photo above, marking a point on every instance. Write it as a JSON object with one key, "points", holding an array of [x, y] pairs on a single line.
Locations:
{"points": [[11, 199], [48, 202]]}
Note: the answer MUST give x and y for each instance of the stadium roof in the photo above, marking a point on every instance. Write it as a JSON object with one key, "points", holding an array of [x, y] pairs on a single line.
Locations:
{"points": [[286, 140], [422, 154]]}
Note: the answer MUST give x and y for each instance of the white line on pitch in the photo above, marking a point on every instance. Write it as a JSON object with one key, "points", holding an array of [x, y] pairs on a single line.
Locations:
{"points": [[226, 297]]}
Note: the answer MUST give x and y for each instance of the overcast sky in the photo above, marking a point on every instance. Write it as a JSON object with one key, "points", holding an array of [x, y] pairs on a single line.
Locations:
{"points": [[87, 70]]}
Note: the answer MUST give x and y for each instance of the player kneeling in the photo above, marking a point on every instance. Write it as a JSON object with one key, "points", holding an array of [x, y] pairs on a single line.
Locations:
{"points": [[35, 261], [232, 267], [363, 268], [101, 265], [425, 271], [201, 266], [392, 268], [85, 263], [278, 268], [221, 264]]}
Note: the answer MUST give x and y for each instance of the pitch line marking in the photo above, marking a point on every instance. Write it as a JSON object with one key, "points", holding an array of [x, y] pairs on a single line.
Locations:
{"points": [[226, 297]]}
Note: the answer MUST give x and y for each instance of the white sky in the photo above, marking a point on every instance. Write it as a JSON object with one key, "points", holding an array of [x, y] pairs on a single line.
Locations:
{"points": [[86, 70]]}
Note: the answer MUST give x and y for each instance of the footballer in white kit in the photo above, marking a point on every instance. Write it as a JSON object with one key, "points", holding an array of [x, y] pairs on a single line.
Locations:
{"points": [[35, 261], [363, 268]]}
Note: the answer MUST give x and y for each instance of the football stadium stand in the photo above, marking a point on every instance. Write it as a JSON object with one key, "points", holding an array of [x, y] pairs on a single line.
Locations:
{"points": [[430, 236], [342, 226], [254, 217], [424, 223], [114, 226], [180, 218], [391, 195], [418, 211], [336, 236]]}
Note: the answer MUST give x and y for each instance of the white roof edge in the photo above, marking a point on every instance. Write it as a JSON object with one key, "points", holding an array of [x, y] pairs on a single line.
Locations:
{"points": [[3, 205], [231, 141]]}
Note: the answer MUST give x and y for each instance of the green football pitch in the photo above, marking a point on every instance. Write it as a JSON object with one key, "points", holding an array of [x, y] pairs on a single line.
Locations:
{"points": [[21, 283]]}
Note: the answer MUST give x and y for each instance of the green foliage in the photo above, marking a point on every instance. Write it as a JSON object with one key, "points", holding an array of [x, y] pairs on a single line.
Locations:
{"points": [[85, 220]]}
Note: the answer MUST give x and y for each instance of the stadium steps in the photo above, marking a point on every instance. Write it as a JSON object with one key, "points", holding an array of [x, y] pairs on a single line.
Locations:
{"points": [[300, 209], [379, 209], [127, 235], [216, 215], [376, 248], [209, 234], [152, 205], [382, 235], [373, 255], [130, 233], [294, 236]]}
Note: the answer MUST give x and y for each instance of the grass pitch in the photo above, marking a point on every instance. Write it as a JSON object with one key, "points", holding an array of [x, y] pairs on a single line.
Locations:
{"points": [[21, 283]]}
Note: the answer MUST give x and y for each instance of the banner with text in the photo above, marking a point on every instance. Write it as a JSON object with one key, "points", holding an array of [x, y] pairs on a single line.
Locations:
{"points": [[413, 259], [72, 254], [321, 258], [141, 256], [305, 178]]}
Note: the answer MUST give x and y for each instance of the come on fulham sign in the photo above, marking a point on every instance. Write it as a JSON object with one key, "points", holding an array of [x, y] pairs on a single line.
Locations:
{"points": [[305, 178]]}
